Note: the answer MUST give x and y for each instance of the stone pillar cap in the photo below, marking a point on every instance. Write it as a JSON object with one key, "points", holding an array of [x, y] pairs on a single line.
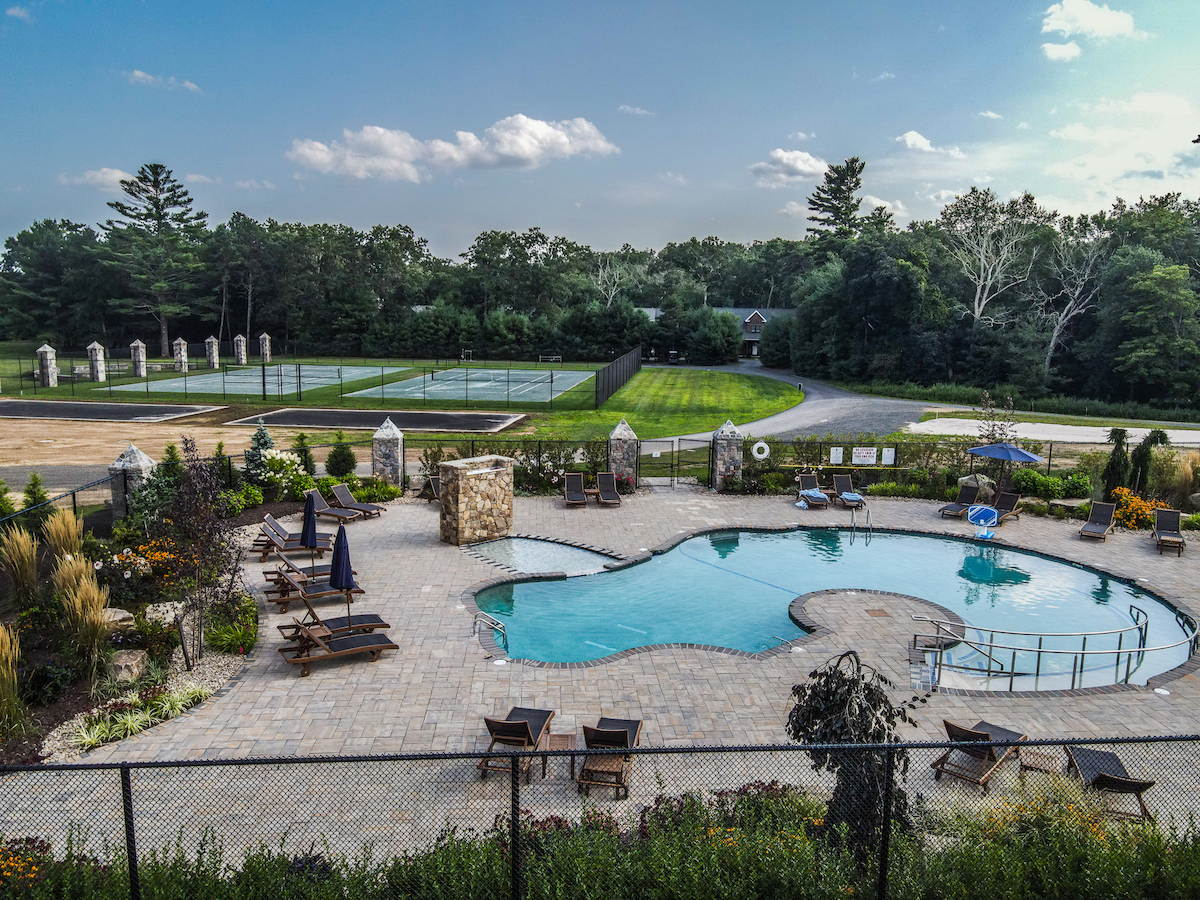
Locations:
{"points": [[132, 458], [240, 337], [137, 343], [95, 345], [729, 430], [210, 340], [387, 430], [263, 335], [45, 348], [178, 340], [623, 432]]}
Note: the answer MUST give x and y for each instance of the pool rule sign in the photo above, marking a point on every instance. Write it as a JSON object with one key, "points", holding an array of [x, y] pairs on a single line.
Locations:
{"points": [[864, 456]]}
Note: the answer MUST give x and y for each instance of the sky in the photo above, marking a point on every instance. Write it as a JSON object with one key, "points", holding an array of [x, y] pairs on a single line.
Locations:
{"points": [[608, 123]]}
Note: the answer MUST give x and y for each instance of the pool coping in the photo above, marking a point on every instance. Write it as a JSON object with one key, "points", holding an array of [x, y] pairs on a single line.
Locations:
{"points": [[487, 635], [619, 560]]}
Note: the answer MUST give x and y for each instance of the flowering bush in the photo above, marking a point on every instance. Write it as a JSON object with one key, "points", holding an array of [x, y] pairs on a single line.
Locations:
{"points": [[1132, 511], [283, 471], [625, 484], [128, 575]]}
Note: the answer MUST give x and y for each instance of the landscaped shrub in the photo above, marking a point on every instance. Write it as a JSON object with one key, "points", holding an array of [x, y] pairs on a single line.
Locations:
{"points": [[1132, 511], [18, 556], [261, 440], [1191, 523], [1032, 483], [303, 452], [12, 710], [42, 685], [63, 533], [127, 715], [1077, 485], [233, 625], [341, 460], [282, 472], [35, 502], [7, 507], [83, 607]]}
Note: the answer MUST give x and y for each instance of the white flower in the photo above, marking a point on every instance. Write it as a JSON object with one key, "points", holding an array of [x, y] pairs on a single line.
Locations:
{"points": [[126, 573], [554, 480], [127, 552], [98, 565]]}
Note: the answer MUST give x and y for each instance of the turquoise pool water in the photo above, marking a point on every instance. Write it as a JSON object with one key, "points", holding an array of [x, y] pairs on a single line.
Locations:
{"points": [[733, 590]]}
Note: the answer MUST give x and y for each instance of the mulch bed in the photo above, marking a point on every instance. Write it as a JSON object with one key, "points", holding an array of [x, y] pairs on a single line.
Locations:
{"points": [[22, 750], [276, 508]]}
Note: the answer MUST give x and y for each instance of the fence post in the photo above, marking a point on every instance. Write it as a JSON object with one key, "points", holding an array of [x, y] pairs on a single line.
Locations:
{"points": [[135, 887], [881, 884], [514, 827]]}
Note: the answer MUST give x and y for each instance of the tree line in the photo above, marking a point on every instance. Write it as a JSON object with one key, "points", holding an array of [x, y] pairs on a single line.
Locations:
{"points": [[993, 292]]}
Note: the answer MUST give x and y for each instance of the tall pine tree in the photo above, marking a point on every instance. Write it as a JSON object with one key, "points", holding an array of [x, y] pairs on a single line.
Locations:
{"points": [[833, 204], [156, 244]]}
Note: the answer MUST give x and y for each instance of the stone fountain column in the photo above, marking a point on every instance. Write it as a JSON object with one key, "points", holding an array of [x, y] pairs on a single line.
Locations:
{"points": [[476, 499]]}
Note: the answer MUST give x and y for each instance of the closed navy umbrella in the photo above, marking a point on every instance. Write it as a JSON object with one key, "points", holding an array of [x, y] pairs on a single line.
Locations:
{"points": [[341, 574], [308, 534]]}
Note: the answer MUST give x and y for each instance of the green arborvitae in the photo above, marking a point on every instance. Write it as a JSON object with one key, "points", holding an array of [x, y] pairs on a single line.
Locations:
{"points": [[302, 451], [35, 495], [172, 463], [341, 460], [1139, 459], [262, 440], [7, 507], [1116, 473]]}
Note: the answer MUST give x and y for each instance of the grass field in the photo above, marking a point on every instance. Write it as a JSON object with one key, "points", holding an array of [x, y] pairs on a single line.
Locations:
{"points": [[1056, 419]]}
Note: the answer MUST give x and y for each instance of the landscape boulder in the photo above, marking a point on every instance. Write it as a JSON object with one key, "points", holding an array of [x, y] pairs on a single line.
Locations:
{"points": [[128, 665], [987, 487], [119, 620]]}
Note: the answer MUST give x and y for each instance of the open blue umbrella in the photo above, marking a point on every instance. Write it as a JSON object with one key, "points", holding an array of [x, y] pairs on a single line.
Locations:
{"points": [[308, 534], [341, 574], [1007, 452]]}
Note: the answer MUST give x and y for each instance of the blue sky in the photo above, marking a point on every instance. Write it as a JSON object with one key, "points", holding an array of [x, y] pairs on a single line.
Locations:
{"points": [[607, 123]]}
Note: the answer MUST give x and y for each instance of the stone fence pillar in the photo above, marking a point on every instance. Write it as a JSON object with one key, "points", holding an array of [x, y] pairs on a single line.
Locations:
{"points": [[96, 365], [181, 360], [47, 366], [212, 354], [476, 499], [727, 454], [264, 347], [239, 349], [137, 355], [623, 451], [129, 470], [387, 453]]}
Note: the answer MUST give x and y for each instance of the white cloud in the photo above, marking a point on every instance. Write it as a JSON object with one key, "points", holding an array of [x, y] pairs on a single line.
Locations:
{"points": [[988, 114], [785, 167], [515, 142], [914, 140], [944, 196], [1021, 126], [253, 184], [1061, 52], [896, 207], [1084, 18], [634, 110], [200, 179], [19, 12], [103, 179], [792, 208], [673, 178], [883, 76], [800, 136], [137, 76]]}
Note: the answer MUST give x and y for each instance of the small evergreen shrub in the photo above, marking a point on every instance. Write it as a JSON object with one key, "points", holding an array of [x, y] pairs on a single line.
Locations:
{"points": [[341, 460], [302, 451]]}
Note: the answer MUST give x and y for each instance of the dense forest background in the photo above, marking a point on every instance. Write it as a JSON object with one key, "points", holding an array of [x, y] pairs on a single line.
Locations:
{"points": [[995, 292]]}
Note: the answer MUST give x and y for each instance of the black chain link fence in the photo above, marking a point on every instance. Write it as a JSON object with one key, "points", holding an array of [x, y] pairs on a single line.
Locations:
{"points": [[696, 822]]}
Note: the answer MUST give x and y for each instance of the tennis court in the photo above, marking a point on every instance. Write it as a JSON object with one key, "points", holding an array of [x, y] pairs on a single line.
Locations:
{"points": [[506, 385], [279, 380]]}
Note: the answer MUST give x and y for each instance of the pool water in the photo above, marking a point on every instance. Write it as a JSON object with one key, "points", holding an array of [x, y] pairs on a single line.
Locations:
{"points": [[533, 556], [733, 590]]}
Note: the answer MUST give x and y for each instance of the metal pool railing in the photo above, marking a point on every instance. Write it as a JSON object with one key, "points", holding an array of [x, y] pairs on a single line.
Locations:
{"points": [[950, 634]]}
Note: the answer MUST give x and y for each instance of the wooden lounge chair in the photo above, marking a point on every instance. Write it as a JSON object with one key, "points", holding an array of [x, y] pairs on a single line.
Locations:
{"points": [[1103, 771], [300, 573], [967, 495], [273, 540], [1006, 506], [432, 490], [271, 522], [844, 493], [336, 625], [809, 489], [606, 485], [1100, 521], [523, 729], [573, 494], [346, 500], [288, 590], [1167, 532], [976, 764], [609, 770], [317, 645], [333, 512]]}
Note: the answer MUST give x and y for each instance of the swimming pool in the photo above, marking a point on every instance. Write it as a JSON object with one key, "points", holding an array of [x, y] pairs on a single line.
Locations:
{"points": [[732, 589]]}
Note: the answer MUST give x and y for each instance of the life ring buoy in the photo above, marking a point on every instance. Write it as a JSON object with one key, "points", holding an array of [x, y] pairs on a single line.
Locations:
{"points": [[760, 451]]}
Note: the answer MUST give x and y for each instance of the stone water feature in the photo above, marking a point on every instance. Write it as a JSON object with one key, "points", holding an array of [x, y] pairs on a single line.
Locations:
{"points": [[476, 499]]}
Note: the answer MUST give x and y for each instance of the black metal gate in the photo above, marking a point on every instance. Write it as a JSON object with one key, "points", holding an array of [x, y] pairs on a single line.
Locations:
{"points": [[667, 462]]}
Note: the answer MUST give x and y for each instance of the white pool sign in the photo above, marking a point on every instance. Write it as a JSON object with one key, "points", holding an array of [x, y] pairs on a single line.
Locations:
{"points": [[864, 456]]}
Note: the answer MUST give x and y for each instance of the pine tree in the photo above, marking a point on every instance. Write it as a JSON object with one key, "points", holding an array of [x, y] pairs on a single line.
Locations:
{"points": [[156, 244], [301, 450], [256, 470], [341, 460], [35, 496], [833, 203]]}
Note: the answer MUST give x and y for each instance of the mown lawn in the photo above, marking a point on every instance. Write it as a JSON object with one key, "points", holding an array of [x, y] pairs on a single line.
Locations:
{"points": [[1059, 419]]}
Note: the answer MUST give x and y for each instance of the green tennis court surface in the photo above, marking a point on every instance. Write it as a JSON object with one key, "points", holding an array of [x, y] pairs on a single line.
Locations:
{"points": [[279, 380], [519, 385]]}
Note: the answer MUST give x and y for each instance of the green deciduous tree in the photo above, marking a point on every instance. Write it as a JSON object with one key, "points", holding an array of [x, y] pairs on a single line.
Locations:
{"points": [[1160, 355]]}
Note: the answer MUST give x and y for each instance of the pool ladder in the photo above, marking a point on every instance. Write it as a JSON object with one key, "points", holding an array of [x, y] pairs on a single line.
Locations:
{"points": [[492, 622], [869, 527]]}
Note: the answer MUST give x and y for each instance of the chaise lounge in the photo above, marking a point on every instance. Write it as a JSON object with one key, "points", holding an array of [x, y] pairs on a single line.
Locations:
{"points": [[811, 493], [1167, 532], [609, 769], [573, 494], [1006, 506], [1100, 521], [336, 626], [606, 489], [1103, 771], [432, 490], [843, 487], [522, 729], [967, 495], [976, 764], [333, 512], [316, 646], [274, 538], [345, 499], [288, 590]]}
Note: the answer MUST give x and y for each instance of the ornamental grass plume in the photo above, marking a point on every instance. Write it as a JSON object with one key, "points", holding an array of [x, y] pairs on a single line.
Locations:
{"points": [[18, 556], [83, 611], [70, 571], [12, 711], [63, 533]]}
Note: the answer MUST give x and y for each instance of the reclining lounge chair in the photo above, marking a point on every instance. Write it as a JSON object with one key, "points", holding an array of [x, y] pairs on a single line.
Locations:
{"points": [[843, 486], [1166, 531], [573, 494], [432, 490], [346, 500], [604, 769], [1006, 506], [976, 764], [288, 590], [274, 538], [333, 512], [811, 493], [967, 495], [335, 626], [522, 729], [315, 645], [1100, 521], [1103, 771], [606, 484]]}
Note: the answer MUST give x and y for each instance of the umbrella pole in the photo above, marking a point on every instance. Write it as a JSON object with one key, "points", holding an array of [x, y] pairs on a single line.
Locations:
{"points": [[349, 618]]}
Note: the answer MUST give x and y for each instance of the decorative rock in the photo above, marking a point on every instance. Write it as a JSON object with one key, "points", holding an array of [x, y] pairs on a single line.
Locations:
{"points": [[987, 487], [623, 451], [264, 347], [239, 349], [47, 367], [181, 360], [476, 499], [96, 362], [137, 353], [387, 453], [1194, 500], [129, 470], [118, 619], [212, 354], [128, 665], [728, 457]]}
